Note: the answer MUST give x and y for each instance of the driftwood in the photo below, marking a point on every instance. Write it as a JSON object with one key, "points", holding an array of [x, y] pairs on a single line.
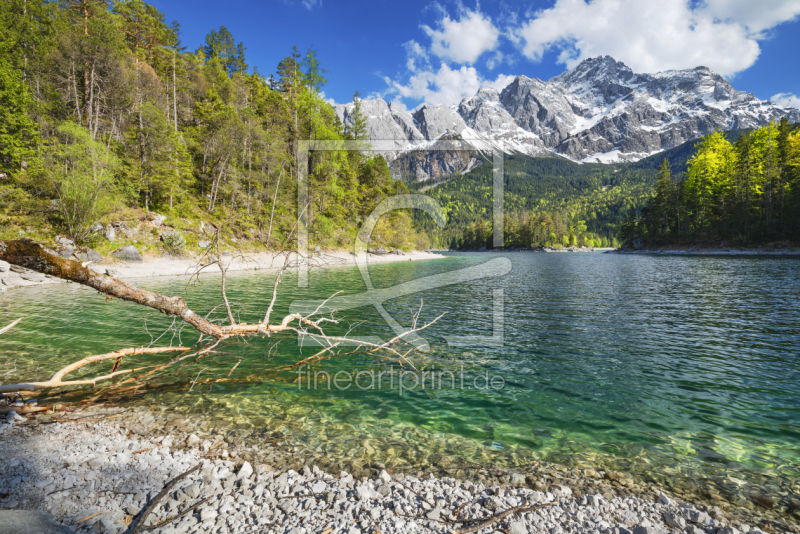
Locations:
{"points": [[57, 379], [139, 525], [9, 327], [28, 254]]}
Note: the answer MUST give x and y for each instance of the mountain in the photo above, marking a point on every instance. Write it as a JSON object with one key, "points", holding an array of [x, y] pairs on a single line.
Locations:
{"points": [[600, 111]]}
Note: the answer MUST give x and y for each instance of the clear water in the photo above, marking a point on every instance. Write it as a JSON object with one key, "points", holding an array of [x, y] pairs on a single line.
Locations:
{"points": [[680, 369]]}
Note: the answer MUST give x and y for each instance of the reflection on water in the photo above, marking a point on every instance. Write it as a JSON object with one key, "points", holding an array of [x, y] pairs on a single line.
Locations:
{"points": [[679, 369]]}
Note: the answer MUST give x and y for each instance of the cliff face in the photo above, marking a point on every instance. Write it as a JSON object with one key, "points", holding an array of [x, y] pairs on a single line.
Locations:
{"points": [[599, 111]]}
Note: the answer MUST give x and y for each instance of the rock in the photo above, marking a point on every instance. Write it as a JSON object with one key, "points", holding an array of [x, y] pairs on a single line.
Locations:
{"points": [[246, 471], [203, 243], [560, 491], [4, 266], [384, 476], [518, 479], [158, 219], [517, 527], [96, 227], [65, 241], [29, 521], [89, 255], [110, 233], [594, 500], [647, 529], [17, 269], [691, 529], [127, 253], [674, 520], [695, 516], [365, 493], [112, 273], [727, 530], [434, 514], [208, 514], [664, 499], [193, 441]]}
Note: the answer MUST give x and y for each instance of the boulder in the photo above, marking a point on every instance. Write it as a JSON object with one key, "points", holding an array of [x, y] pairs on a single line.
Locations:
{"points": [[88, 254], [158, 219], [65, 241], [110, 234], [203, 243], [127, 253]]}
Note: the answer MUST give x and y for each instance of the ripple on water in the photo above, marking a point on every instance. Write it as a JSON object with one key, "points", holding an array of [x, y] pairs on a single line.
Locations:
{"points": [[681, 370]]}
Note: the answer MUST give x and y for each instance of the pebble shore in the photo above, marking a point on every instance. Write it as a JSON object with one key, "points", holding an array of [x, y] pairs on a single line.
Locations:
{"points": [[96, 470]]}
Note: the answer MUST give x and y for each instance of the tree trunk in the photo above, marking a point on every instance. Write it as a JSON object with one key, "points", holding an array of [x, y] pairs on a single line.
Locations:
{"points": [[30, 255]]}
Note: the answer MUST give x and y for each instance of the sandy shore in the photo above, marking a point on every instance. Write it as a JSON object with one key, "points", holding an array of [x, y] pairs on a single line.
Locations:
{"points": [[98, 469], [166, 266]]}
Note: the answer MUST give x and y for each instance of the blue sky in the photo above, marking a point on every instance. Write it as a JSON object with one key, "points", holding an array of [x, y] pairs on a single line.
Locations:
{"points": [[416, 51]]}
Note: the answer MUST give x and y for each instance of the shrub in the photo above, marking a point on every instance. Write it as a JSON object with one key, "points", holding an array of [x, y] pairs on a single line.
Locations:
{"points": [[174, 242]]}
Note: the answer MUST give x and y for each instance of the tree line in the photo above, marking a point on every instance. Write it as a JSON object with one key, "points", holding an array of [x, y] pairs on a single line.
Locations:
{"points": [[104, 112], [746, 192]]}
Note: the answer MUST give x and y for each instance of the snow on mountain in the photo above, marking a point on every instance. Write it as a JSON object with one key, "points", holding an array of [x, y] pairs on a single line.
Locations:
{"points": [[599, 111]]}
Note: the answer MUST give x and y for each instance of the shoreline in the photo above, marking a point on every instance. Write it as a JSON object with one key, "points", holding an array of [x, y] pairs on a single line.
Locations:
{"points": [[107, 463], [166, 266], [710, 252]]}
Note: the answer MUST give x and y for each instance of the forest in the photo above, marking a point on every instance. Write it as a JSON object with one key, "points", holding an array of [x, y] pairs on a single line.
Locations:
{"points": [[106, 116], [548, 201], [740, 193]]}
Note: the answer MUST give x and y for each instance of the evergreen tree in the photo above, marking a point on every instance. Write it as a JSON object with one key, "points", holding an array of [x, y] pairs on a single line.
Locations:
{"points": [[18, 133], [358, 121]]}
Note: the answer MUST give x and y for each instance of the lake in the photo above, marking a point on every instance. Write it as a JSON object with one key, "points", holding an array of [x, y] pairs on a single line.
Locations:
{"points": [[681, 370]]}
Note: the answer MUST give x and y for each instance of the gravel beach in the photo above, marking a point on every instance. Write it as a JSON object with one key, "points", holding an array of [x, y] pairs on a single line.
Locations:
{"points": [[98, 469]]}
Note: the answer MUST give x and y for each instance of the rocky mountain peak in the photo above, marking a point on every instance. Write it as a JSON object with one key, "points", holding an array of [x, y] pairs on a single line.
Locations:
{"points": [[598, 111]]}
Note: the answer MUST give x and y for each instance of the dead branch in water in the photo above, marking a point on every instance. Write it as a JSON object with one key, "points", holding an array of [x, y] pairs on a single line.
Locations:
{"points": [[57, 379], [32, 255], [9, 327]]}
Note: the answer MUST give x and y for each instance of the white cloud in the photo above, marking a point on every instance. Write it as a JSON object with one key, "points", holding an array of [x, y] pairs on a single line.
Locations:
{"points": [[417, 57], [463, 40], [500, 82], [786, 100], [311, 4], [446, 85], [655, 35], [330, 101]]}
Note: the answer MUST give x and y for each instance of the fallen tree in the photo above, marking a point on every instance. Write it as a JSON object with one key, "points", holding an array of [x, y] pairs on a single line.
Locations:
{"points": [[33, 256]]}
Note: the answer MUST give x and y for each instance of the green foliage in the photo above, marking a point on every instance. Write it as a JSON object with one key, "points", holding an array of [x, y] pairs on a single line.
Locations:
{"points": [[80, 172], [146, 125], [174, 242], [221, 45], [594, 193], [18, 133], [747, 192]]}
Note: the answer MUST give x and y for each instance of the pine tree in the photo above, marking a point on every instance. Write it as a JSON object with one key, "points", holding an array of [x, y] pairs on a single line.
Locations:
{"points": [[663, 195], [358, 121]]}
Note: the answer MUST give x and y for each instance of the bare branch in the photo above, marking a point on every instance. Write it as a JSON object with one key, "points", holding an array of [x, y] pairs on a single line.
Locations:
{"points": [[9, 327], [57, 379]]}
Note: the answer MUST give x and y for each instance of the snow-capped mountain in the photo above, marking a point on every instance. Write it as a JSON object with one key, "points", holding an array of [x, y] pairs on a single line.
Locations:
{"points": [[599, 111]]}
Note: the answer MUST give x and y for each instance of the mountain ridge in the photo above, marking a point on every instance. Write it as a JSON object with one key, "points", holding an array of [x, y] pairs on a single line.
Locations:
{"points": [[599, 111]]}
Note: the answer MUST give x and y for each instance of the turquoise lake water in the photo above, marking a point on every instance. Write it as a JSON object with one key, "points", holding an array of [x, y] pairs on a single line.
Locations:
{"points": [[685, 370]]}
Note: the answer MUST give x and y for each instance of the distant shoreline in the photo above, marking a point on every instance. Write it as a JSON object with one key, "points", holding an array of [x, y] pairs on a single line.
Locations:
{"points": [[711, 252]]}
